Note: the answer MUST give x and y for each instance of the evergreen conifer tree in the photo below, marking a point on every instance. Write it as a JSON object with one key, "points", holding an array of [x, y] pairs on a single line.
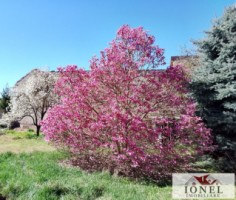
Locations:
{"points": [[214, 82], [5, 99]]}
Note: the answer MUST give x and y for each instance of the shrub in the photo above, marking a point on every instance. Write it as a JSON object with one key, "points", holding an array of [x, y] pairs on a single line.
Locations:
{"points": [[126, 116], [14, 124], [3, 125]]}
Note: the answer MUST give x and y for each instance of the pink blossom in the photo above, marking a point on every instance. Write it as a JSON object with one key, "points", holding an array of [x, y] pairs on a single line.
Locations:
{"points": [[125, 114]]}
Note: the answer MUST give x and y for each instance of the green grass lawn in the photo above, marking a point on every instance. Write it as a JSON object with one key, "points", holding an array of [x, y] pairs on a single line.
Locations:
{"points": [[19, 142], [39, 176], [30, 169]]}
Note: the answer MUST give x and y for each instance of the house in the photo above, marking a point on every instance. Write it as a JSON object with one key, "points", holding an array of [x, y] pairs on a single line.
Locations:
{"points": [[188, 62], [23, 80]]}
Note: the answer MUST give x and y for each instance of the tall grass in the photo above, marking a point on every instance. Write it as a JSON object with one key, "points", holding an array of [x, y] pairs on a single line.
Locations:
{"points": [[39, 176]]}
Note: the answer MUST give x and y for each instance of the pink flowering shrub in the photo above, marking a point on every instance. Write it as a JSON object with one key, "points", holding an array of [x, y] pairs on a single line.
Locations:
{"points": [[124, 115]]}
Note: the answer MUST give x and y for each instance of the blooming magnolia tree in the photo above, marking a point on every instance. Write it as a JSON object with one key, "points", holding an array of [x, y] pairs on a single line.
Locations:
{"points": [[33, 98], [125, 115]]}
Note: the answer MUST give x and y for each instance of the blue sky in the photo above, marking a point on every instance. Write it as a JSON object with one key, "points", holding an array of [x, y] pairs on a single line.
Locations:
{"points": [[51, 33]]}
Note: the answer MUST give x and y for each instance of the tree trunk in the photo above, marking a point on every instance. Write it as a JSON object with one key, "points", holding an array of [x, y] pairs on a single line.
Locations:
{"points": [[38, 130]]}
